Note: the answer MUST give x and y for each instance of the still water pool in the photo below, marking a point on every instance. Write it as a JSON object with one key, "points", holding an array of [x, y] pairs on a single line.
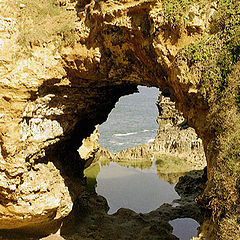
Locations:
{"points": [[141, 187], [184, 228], [139, 190]]}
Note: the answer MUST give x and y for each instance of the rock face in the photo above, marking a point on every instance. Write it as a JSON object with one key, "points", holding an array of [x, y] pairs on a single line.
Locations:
{"points": [[174, 138], [97, 224], [45, 115], [58, 81], [89, 148]]}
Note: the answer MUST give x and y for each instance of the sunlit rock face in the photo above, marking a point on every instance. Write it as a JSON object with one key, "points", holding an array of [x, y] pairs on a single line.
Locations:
{"points": [[45, 115], [174, 138], [51, 99]]}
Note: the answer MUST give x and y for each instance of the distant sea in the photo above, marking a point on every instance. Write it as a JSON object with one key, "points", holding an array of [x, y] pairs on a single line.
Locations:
{"points": [[133, 121]]}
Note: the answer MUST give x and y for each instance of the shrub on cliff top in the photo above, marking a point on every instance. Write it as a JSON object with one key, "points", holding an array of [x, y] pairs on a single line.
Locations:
{"points": [[175, 10], [215, 56], [215, 62]]}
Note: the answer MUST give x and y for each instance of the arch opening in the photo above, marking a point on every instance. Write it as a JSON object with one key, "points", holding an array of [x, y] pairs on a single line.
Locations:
{"points": [[131, 178], [132, 122]]}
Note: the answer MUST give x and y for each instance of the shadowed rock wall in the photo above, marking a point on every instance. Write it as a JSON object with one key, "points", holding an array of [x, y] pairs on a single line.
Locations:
{"points": [[53, 97]]}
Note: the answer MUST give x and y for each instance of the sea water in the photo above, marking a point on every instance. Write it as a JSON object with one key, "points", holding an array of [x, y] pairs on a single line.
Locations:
{"points": [[133, 121]]}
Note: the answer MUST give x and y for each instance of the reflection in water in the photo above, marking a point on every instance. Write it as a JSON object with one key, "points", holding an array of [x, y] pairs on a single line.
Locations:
{"points": [[184, 228], [169, 169], [144, 186], [91, 174], [139, 190]]}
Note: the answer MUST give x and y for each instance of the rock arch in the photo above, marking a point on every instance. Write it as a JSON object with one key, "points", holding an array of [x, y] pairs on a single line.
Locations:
{"points": [[53, 99]]}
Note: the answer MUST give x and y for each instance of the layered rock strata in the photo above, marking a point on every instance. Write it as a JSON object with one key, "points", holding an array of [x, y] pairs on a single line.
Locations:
{"points": [[59, 80], [174, 138]]}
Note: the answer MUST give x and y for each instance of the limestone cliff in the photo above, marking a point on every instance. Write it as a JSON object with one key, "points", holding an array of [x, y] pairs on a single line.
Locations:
{"points": [[65, 63], [174, 138]]}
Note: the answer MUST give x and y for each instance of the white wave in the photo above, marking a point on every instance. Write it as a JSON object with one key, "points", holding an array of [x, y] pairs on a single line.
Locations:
{"points": [[148, 130], [124, 134], [117, 143]]}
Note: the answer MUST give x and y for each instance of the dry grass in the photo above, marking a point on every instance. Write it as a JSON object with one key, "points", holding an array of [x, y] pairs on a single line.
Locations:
{"points": [[40, 22]]}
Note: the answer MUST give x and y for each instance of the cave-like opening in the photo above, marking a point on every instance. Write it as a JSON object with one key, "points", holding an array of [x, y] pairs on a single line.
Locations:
{"points": [[142, 176], [53, 97]]}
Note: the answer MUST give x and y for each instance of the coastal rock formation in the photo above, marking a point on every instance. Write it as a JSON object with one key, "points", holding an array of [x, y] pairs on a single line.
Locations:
{"points": [[125, 223], [174, 135], [89, 148], [174, 138], [64, 64], [153, 225]]}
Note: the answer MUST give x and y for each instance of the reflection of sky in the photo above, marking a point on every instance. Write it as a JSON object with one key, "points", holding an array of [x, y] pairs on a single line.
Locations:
{"points": [[128, 187], [184, 228]]}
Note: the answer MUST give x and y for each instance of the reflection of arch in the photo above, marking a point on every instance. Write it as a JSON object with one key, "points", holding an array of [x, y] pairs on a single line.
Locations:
{"points": [[121, 45], [181, 208]]}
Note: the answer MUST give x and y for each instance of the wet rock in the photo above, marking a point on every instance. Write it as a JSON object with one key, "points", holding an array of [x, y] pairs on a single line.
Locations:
{"points": [[90, 220], [192, 184]]}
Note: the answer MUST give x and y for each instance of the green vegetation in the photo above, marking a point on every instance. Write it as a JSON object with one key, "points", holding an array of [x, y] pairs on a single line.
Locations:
{"points": [[91, 174], [43, 21], [175, 10], [171, 164], [225, 191], [215, 62], [217, 55], [214, 56]]}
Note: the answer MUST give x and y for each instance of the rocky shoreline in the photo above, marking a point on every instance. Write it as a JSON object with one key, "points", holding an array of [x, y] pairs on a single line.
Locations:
{"points": [[65, 63], [89, 218], [180, 156], [174, 138]]}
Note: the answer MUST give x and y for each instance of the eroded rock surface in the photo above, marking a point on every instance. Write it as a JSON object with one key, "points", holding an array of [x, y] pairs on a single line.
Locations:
{"points": [[174, 135], [174, 138], [54, 92], [126, 224]]}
